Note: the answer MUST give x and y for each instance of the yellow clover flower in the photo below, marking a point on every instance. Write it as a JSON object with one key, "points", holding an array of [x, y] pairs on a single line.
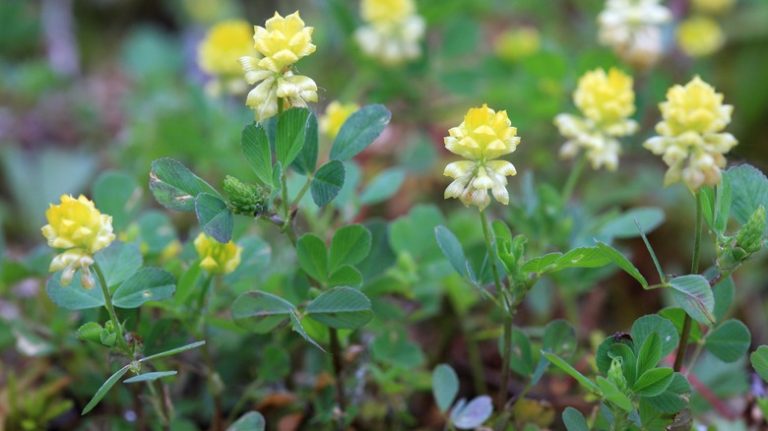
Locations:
{"points": [[483, 137], [690, 138], [281, 44], [335, 115], [219, 52], [713, 6], [393, 31], [385, 12], [606, 100], [77, 228], [215, 257], [633, 29], [700, 36]]}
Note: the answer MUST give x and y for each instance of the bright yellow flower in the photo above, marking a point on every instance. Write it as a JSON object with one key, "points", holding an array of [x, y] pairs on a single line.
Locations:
{"points": [[700, 36], [283, 42], [386, 12], [483, 136], [712, 6], [220, 50], [517, 44], [690, 138], [215, 257], [335, 115], [77, 228], [606, 100]]}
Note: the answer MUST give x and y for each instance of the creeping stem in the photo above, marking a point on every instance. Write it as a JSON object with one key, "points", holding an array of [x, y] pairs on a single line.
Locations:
{"points": [[686, 332]]}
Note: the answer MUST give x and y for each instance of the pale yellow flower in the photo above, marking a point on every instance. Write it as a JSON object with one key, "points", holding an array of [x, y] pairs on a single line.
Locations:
{"points": [[632, 29], [517, 44], [384, 12], [335, 115], [77, 228], [713, 6], [393, 30], [700, 36], [215, 257], [483, 137], [606, 100], [219, 52], [282, 42], [691, 139]]}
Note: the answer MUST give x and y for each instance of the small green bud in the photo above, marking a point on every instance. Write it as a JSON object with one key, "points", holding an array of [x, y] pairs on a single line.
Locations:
{"points": [[616, 375], [90, 332], [750, 236], [245, 199]]}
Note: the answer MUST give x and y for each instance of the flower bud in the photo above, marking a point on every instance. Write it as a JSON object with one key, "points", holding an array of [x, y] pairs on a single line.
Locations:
{"points": [[750, 236], [245, 199]]}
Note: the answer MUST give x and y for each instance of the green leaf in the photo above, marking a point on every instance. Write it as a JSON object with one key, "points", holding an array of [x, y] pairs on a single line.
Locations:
{"points": [[174, 351], [119, 195], [327, 182], [215, 218], [749, 190], [622, 262], [677, 316], [452, 250], [729, 341], [574, 420], [291, 133], [445, 386], [723, 293], [693, 294], [151, 376], [383, 186], [341, 308], [251, 421], [147, 284], [541, 264], [257, 151], [653, 382], [299, 328], [90, 331], [520, 357], [346, 275], [568, 369], [559, 338], [663, 328], [612, 394], [359, 131], [649, 218], [313, 257], [759, 360], [261, 312], [306, 161], [674, 398], [176, 187], [74, 296], [350, 245], [609, 349], [582, 257], [649, 354], [118, 262], [105, 387]]}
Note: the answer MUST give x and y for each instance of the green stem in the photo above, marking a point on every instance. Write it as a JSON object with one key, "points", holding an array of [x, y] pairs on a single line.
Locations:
{"points": [[338, 370], [111, 309], [686, 332], [159, 405], [573, 178], [214, 385], [507, 328], [302, 192]]}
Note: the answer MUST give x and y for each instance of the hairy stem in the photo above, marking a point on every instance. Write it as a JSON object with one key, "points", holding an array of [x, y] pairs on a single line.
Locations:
{"points": [[686, 332]]}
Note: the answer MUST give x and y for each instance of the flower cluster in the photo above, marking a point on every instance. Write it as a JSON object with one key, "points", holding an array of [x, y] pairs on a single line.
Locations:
{"points": [[335, 115], [77, 228], [483, 137], [700, 36], [515, 45], [632, 29], [392, 32], [279, 45], [606, 100], [219, 52], [215, 257], [691, 139]]}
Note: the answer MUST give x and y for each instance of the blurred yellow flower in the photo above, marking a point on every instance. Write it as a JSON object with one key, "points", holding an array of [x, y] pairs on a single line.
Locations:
{"points": [[393, 31], [606, 100], [690, 139], [283, 42], [79, 229], [483, 137], [514, 45], [633, 29], [215, 257], [386, 11], [219, 52], [335, 115], [713, 6], [700, 36]]}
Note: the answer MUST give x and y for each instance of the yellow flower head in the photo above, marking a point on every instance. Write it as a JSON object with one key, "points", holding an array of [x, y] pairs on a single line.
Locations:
{"points": [[283, 42], [483, 136], [605, 98], [215, 257], [220, 51], [517, 44], [713, 6], [386, 12], [700, 36], [335, 115], [690, 134], [79, 229]]}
